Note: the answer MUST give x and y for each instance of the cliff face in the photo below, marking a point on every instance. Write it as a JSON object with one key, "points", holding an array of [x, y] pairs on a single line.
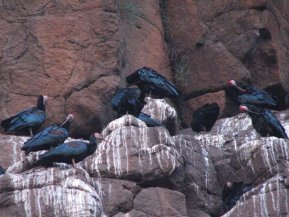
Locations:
{"points": [[141, 171], [78, 52]]}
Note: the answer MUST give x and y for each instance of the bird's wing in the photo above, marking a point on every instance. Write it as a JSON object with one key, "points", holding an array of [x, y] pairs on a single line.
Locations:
{"points": [[274, 123], [150, 76], [42, 133], [256, 99], [73, 148], [58, 131], [149, 121], [117, 98]]}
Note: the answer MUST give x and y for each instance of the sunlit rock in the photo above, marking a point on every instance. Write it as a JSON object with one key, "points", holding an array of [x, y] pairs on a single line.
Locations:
{"points": [[116, 195], [267, 199], [11, 149], [49, 192], [258, 160], [133, 151], [157, 202], [197, 178], [159, 109]]}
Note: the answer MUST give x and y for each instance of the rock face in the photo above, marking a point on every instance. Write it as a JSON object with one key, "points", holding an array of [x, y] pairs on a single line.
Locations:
{"points": [[141, 171], [79, 52]]}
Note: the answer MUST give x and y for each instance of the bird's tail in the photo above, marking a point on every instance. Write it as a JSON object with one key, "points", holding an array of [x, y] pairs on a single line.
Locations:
{"points": [[44, 162], [7, 123]]}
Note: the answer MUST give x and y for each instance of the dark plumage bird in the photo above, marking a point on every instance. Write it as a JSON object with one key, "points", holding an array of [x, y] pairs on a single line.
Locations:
{"points": [[264, 121], [70, 152], [2, 171], [287, 101], [150, 122], [28, 119], [232, 193], [128, 100], [248, 94], [204, 117], [151, 82], [51, 136]]}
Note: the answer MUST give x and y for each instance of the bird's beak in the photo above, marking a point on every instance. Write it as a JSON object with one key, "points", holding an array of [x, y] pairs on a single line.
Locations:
{"points": [[69, 117], [234, 83]]}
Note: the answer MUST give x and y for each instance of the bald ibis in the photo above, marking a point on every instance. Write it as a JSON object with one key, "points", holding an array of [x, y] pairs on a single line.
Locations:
{"points": [[232, 193], [248, 94], [51, 136], [205, 117], [151, 82], [264, 121], [27, 119], [70, 152], [2, 171], [128, 100]]}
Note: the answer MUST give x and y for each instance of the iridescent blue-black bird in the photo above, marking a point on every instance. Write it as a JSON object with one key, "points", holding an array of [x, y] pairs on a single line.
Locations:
{"points": [[151, 82], [128, 101], [248, 94], [150, 122], [264, 121], [205, 117], [28, 119], [232, 193], [49, 137], [2, 171], [70, 152]]}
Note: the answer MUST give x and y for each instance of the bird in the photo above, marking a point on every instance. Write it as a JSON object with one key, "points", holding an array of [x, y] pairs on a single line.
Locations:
{"points": [[70, 152], [232, 193], [27, 119], [264, 121], [150, 122], [51, 136], [248, 94], [151, 82], [286, 99], [205, 117], [128, 101], [2, 171]]}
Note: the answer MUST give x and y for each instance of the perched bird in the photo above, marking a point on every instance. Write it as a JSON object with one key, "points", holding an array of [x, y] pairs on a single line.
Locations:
{"points": [[150, 122], [27, 119], [2, 171], [204, 117], [248, 94], [151, 82], [70, 152], [51, 136], [232, 193], [287, 101], [264, 121], [128, 100]]}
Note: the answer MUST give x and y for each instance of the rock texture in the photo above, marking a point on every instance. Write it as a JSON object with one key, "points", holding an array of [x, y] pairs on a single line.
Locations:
{"points": [[141, 171], [79, 52]]}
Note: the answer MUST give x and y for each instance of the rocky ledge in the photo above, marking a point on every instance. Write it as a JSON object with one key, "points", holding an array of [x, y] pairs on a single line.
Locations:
{"points": [[141, 171]]}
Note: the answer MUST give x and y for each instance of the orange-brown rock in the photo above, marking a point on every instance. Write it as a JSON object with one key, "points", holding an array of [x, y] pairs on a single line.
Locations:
{"points": [[79, 52]]}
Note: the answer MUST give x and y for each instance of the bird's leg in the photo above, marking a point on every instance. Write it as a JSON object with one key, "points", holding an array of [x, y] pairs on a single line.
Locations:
{"points": [[204, 129], [31, 132], [73, 163], [150, 95]]}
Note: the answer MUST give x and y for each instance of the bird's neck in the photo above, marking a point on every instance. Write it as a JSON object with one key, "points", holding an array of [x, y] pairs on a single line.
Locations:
{"points": [[66, 125], [91, 147], [41, 106]]}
